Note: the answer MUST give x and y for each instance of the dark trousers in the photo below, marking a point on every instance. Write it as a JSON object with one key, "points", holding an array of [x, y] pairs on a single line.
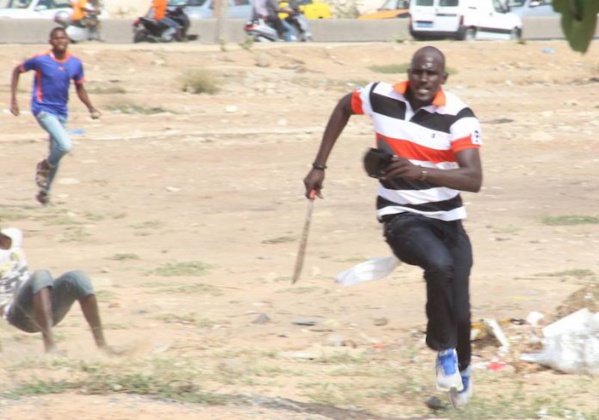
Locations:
{"points": [[444, 252]]}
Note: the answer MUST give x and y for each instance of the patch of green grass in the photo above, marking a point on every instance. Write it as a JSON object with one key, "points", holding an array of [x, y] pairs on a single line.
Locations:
{"points": [[74, 234], [124, 257], [578, 273], [400, 68], [129, 108], [247, 43], [40, 387], [200, 81], [279, 240], [299, 290], [7, 214], [105, 296], [190, 289], [150, 224], [390, 68], [188, 268], [570, 220], [106, 90], [100, 381], [187, 319]]}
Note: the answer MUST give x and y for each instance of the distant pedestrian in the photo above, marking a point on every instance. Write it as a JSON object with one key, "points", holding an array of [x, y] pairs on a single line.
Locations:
{"points": [[54, 71]]}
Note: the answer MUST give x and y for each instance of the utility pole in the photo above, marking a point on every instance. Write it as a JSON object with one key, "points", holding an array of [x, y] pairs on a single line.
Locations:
{"points": [[220, 14]]}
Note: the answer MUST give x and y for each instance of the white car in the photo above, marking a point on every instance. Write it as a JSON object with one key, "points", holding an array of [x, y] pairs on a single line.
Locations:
{"points": [[32, 9], [35, 9], [463, 19]]}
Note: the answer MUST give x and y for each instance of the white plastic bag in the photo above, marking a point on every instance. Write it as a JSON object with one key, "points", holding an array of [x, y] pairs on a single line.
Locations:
{"points": [[372, 269], [572, 345]]}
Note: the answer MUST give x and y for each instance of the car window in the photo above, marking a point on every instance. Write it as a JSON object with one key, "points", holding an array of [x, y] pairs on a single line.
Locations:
{"points": [[196, 2], [14, 4], [424, 2], [449, 3]]}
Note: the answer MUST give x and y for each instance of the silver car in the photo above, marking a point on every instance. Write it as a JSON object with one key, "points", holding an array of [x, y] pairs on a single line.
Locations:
{"points": [[526, 8], [32, 9], [204, 9]]}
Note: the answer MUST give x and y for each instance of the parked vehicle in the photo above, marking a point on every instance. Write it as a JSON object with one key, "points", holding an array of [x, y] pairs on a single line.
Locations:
{"points": [[204, 9], [463, 19], [36, 9], [88, 30], [526, 8], [312, 9], [391, 9], [148, 29]]}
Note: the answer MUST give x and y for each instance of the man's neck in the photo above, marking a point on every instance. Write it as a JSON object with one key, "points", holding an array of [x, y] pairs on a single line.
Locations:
{"points": [[59, 54]]}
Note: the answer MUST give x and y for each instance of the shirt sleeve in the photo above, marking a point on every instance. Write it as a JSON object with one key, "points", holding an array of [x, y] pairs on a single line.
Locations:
{"points": [[360, 100], [29, 64], [466, 132], [79, 76]]}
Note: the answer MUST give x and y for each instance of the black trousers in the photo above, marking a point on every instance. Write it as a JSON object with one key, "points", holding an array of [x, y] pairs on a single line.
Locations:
{"points": [[444, 252]]}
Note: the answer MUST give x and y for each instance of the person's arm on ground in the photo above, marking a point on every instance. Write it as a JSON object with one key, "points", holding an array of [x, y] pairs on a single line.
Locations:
{"points": [[337, 122], [83, 97]]}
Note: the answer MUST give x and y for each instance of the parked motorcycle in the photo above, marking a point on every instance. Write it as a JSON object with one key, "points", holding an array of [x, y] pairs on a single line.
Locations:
{"points": [[148, 29], [263, 31], [88, 29]]}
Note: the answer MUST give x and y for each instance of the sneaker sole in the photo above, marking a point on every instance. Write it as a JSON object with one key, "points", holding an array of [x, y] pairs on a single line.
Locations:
{"points": [[450, 389]]}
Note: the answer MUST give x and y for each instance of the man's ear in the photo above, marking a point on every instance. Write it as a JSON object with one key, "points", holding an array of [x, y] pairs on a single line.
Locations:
{"points": [[445, 77]]}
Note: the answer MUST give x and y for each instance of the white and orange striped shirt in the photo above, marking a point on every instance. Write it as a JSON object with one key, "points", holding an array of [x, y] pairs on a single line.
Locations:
{"points": [[429, 137]]}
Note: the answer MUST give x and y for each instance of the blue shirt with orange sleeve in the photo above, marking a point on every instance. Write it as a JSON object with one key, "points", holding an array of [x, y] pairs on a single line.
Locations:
{"points": [[52, 81]]}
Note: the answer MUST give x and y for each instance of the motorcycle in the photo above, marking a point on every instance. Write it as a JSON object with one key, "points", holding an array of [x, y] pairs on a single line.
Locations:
{"points": [[85, 30], [262, 31], [148, 29]]}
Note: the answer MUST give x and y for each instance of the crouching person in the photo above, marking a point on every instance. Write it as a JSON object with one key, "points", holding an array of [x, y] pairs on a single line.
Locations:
{"points": [[35, 302]]}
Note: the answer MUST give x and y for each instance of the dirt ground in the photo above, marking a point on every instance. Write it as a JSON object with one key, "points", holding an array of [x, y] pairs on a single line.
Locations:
{"points": [[186, 211]]}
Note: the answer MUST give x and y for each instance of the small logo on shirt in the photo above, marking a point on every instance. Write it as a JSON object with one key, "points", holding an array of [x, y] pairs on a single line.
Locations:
{"points": [[476, 137]]}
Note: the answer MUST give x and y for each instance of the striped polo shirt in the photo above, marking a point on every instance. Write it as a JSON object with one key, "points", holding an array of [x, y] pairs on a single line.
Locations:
{"points": [[430, 137]]}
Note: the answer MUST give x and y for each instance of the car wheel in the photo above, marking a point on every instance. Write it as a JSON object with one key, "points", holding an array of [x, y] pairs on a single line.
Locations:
{"points": [[140, 36], [515, 34], [469, 34]]}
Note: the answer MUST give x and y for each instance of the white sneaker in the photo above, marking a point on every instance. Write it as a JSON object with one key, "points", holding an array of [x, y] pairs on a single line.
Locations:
{"points": [[459, 399], [448, 373]]}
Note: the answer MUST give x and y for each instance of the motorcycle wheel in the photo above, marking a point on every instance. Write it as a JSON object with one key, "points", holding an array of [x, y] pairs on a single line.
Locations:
{"points": [[140, 36]]}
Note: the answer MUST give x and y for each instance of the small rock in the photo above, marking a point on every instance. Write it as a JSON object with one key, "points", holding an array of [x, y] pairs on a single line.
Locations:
{"points": [[379, 322], [434, 403], [261, 319], [304, 321]]}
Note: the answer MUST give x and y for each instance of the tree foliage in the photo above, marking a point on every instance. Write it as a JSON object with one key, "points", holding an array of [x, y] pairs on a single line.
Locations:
{"points": [[579, 20]]}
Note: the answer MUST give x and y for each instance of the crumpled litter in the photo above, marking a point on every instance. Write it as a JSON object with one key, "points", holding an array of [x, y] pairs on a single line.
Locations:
{"points": [[372, 269], [570, 345]]}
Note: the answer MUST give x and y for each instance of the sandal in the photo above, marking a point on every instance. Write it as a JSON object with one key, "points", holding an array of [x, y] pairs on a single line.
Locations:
{"points": [[43, 198], [42, 172]]}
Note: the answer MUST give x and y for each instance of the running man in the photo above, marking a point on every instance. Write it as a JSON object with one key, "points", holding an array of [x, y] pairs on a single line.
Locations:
{"points": [[432, 139], [54, 71]]}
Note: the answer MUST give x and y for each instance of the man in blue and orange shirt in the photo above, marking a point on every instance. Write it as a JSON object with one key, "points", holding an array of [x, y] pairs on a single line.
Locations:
{"points": [[54, 71]]}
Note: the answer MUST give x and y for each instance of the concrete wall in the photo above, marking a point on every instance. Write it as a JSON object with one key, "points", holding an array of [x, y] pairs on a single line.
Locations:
{"points": [[326, 30]]}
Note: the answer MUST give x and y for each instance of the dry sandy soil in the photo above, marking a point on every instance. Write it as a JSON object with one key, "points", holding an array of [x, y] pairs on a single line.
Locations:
{"points": [[186, 210]]}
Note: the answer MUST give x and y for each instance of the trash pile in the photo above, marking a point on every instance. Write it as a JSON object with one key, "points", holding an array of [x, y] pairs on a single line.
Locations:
{"points": [[570, 345]]}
